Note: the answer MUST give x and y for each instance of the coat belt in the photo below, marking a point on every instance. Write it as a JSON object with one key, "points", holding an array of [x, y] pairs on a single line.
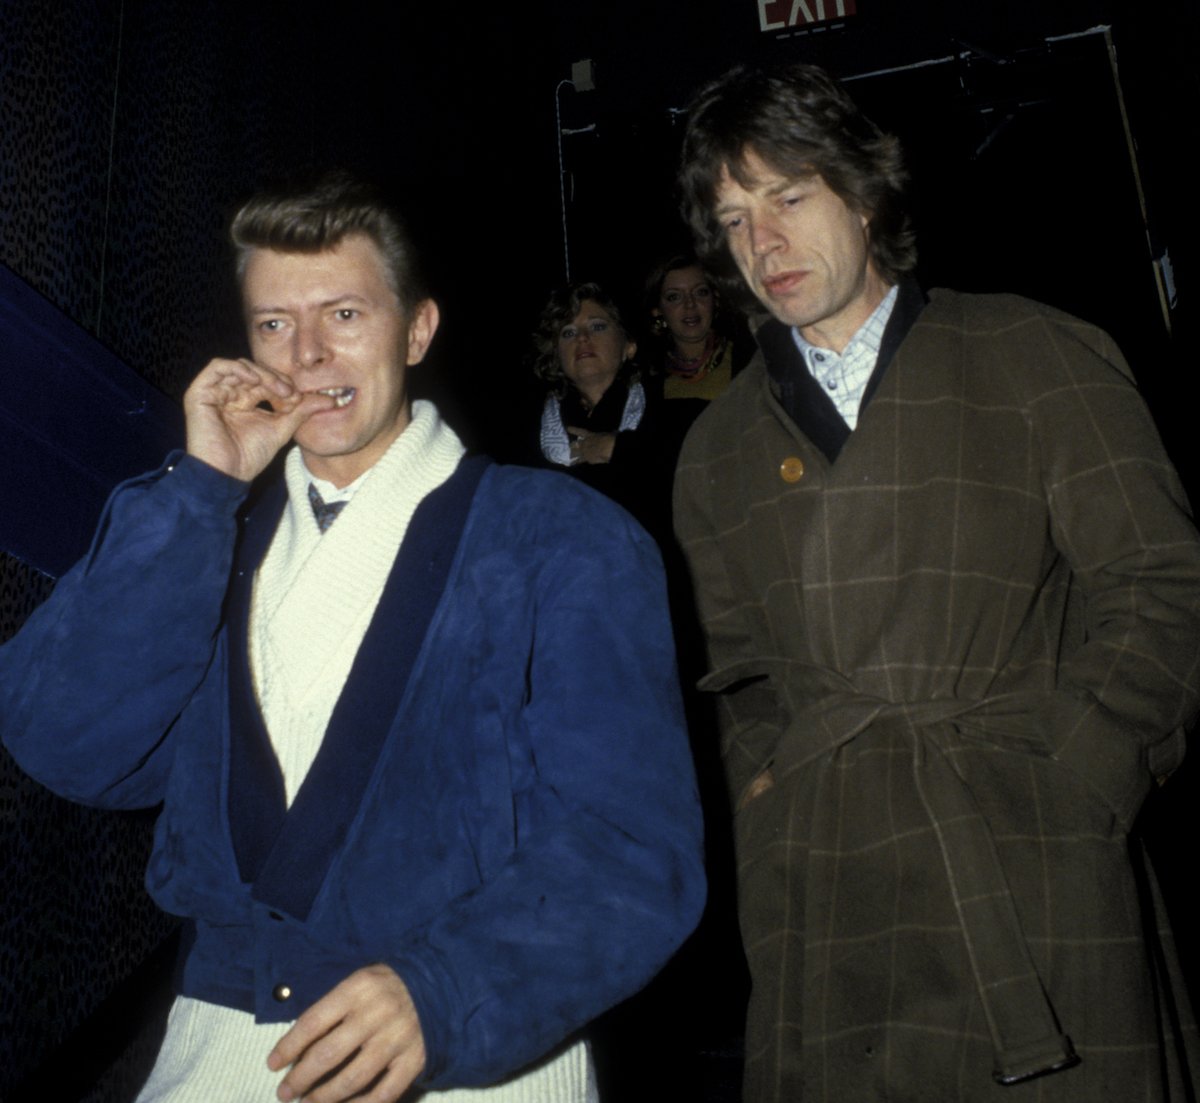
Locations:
{"points": [[1025, 1033]]}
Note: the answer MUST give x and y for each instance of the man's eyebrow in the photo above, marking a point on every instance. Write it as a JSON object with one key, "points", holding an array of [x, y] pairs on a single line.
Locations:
{"points": [[791, 181], [349, 297], [772, 189], [786, 180], [724, 208]]}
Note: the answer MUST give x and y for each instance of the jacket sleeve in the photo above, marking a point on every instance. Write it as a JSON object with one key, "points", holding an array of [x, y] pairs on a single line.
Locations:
{"points": [[1120, 518], [750, 715], [90, 686], [605, 879]]}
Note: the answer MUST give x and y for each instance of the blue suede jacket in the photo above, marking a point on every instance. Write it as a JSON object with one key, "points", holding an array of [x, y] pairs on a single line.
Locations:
{"points": [[503, 807]]}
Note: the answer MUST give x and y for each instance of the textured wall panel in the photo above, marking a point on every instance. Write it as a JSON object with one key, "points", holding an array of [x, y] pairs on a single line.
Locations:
{"points": [[122, 148], [57, 82]]}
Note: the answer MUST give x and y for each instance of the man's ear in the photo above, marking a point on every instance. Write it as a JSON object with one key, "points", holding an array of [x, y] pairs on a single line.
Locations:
{"points": [[421, 328]]}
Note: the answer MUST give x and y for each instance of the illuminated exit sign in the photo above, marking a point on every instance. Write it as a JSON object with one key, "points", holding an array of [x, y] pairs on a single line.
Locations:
{"points": [[779, 15]]}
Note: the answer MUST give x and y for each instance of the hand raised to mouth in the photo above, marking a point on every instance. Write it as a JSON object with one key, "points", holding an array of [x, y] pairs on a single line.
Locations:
{"points": [[240, 414]]}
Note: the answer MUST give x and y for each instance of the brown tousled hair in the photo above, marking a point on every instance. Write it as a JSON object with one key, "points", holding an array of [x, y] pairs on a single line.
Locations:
{"points": [[800, 121]]}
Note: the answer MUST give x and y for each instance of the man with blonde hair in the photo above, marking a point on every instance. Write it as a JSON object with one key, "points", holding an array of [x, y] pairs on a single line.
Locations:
{"points": [[427, 801]]}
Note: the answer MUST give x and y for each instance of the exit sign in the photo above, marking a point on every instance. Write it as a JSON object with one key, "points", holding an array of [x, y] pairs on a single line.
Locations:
{"points": [[779, 15]]}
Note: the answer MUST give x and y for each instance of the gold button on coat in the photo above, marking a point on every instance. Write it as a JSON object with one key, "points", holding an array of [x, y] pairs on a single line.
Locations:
{"points": [[282, 993], [792, 469]]}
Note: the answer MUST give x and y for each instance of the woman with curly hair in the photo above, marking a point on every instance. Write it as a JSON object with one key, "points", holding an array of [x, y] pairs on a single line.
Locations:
{"points": [[585, 357], [601, 420]]}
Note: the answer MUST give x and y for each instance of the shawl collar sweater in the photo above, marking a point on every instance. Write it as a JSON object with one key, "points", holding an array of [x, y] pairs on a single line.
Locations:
{"points": [[315, 593]]}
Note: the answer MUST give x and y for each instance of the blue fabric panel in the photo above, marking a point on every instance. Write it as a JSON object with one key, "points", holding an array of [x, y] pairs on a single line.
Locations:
{"points": [[74, 421], [257, 799]]}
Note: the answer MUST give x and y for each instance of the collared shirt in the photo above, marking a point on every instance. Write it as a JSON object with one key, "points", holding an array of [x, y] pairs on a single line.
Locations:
{"points": [[845, 375], [330, 493]]}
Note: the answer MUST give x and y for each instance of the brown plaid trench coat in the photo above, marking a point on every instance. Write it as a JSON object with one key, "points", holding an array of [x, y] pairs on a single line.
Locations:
{"points": [[950, 665]]}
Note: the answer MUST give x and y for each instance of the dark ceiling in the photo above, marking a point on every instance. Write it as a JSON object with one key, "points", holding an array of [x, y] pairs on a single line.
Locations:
{"points": [[1019, 120]]}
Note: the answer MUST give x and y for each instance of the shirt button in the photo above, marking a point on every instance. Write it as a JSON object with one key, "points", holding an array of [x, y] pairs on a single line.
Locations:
{"points": [[819, 357], [832, 384], [282, 993], [792, 469]]}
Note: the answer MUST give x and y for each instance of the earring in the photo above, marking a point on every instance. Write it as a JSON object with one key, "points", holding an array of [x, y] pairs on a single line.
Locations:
{"points": [[659, 325]]}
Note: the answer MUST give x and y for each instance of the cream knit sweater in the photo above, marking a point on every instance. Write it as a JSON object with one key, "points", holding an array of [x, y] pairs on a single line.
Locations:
{"points": [[313, 599]]}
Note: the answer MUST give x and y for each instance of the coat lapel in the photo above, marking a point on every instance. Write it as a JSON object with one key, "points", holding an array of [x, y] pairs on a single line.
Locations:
{"points": [[257, 801], [801, 396], [804, 399]]}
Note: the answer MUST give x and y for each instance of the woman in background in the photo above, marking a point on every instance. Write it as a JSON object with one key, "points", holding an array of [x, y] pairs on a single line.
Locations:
{"points": [[585, 358], [699, 350], [600, 419]]}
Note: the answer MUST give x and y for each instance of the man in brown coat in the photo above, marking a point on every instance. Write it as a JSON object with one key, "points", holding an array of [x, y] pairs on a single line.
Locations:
{"points": [[951, 593]]}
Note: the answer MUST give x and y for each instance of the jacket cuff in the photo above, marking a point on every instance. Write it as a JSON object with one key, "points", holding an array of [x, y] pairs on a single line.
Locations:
{"points": [[193, 478], [430, 986]]}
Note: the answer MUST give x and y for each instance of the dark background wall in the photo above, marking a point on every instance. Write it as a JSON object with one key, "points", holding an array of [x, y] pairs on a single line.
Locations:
{"points": [[130, 128]]}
